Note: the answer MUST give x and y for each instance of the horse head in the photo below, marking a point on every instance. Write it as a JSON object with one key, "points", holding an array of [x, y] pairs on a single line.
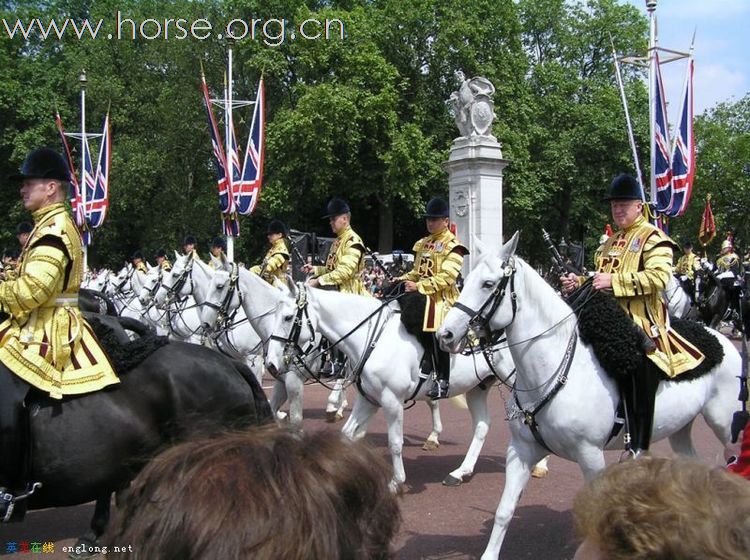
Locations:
{"points": [[222, 298], [175, 281], [484, 301], [149, 286], [293, 331]]}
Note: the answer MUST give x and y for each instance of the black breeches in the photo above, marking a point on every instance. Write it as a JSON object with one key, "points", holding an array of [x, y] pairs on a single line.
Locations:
{"points": [[13, 391]]}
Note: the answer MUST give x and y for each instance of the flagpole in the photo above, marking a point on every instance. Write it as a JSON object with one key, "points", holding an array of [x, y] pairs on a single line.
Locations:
{"points": [[631, 136], [230, 164], [651, 8], [82, 80]]}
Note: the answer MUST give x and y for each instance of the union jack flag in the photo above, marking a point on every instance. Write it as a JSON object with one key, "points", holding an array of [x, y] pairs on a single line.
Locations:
{"points": [[226, 202], [683, 151], [75, 195], [662, 172], [97, 202], [247, 191], [89, 183]]}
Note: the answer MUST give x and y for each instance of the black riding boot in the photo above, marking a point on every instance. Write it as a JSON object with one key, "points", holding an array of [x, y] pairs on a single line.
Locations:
{"points": [[640, 396], [13, 427], [442, 360]]}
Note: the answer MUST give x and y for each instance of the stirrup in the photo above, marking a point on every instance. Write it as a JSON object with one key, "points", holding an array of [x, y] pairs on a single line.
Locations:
{"points": [[439, 389], [8, 500]]}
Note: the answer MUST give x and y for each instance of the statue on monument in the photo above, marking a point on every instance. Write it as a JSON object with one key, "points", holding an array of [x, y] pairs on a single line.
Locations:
{"points": [[472, 106]]}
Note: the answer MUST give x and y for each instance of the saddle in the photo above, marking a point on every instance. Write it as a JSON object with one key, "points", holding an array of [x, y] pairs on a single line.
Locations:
{"points": [[619, 345], [124, 353]]}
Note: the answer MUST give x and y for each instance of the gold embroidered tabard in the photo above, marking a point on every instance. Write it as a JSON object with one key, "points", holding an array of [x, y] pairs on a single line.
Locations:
{"points": [[165, 264], [640, 261], [275, 263], [45, 340], [437, 264], [687, 265], [728, 262], [344, 265]]}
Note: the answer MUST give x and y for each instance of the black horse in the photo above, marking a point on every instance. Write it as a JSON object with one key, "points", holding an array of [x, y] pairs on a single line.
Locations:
{"points": [[714, 304], [86, 447]]}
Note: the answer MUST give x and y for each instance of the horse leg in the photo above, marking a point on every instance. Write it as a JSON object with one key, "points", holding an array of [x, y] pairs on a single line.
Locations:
{"points": [[278, 398], [336, 402], [476, 399], [681, 442], [432, 442], [356, 426], [394, 415], [517, 474], [99, 523]]}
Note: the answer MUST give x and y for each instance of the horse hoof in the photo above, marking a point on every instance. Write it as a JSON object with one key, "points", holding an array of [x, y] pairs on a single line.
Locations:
{"points": [[430, 445], [281, 415], [330, 416], [539, 472], [451, 480], [85, 548], [338, 417]]}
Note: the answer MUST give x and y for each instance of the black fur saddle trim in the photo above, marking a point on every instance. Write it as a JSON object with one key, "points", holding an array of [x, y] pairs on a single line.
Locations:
{"points": [[125, 356], [618, 343], [412, 312], [614, 338], [697, 335]]}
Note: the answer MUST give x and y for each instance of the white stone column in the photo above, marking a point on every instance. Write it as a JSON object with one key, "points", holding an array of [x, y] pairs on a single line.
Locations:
{"points": [[475, 180]]}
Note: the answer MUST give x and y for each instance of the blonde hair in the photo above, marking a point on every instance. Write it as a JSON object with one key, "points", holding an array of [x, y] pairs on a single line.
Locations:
{"points": [[665, 509]]}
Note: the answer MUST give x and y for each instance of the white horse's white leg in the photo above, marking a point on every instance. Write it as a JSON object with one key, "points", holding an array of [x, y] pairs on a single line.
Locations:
{"points": [[295, 389], [476, 399], [517, 474], [682, 443], [394, 415], [356, 426], [336, 402], [433, 442], [278, 397]]}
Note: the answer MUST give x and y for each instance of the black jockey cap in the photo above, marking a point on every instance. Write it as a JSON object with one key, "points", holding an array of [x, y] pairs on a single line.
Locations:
{"points": [[436, 208], [43, 163], [24, 227], [190, 240], [276, 226], [219, 242], [336, 207], [161, 253], [624, 187], [136, 255]]}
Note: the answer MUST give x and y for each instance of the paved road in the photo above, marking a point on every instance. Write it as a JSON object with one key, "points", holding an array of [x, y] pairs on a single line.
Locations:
{"points": [[438, 522]]}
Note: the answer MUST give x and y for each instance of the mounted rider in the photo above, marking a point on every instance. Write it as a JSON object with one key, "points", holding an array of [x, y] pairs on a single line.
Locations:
{"points": [[45, 343], [729, 273], [275, 263], [635, 264], [344, 265], [437, 264], [686, 267], [137, 260], [190, 247], [162, 261], [218, 251]]}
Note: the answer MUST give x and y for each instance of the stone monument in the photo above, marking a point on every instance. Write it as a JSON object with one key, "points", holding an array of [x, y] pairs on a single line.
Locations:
{"points": [[475, 167]]}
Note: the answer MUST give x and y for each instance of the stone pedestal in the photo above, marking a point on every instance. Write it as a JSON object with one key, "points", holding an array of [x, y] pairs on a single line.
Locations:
{"points": [[475, 180]]}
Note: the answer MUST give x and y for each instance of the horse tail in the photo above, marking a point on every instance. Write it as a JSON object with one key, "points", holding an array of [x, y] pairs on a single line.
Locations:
{"points": [[262, 407]]}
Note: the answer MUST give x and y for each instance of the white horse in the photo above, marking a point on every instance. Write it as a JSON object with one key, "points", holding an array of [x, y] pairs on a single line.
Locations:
{"points": [[677, 299], [152, 314], [176, 296], [123, 289], [258, 300], [387, 366], [576, 422], [190, 279]]}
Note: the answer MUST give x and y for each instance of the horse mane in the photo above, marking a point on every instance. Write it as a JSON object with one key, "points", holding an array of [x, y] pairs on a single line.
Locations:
{"points": [[124, 356]]}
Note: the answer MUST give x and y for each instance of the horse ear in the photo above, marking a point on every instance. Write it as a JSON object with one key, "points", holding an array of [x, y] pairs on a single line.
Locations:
{"points": [[479, 247], [176, 255], [509, 248]]}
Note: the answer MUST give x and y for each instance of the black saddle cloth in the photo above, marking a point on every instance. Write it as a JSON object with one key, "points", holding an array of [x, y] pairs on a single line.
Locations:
{"points": [[123, 353], [618, 343]]}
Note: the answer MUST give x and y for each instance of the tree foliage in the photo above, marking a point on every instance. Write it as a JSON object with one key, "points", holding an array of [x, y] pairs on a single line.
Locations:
{"points": [[363, 116]]}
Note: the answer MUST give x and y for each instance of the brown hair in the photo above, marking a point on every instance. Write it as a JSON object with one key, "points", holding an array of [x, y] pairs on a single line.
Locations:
{"points": [[266, 493], [664, 509]]}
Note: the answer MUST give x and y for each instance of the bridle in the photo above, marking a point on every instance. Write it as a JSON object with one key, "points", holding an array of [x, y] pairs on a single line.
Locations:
{"points": [[292, 349], [479, 320]]}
